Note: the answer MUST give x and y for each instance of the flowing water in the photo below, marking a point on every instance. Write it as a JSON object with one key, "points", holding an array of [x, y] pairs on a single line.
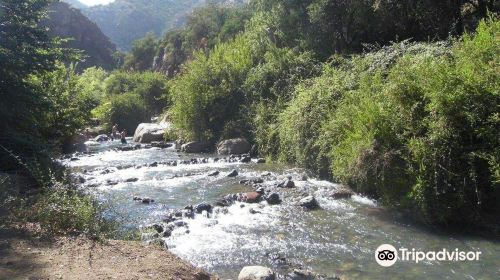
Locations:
{"points": [[339, 239]]}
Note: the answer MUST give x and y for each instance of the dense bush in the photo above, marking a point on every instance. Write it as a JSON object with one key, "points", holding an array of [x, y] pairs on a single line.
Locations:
{"points": [[419, 130], [131, 98]]}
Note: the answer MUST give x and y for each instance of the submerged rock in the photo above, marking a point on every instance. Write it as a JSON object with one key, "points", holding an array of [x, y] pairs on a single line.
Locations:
{"points": [[256, 273], [235, 146]]}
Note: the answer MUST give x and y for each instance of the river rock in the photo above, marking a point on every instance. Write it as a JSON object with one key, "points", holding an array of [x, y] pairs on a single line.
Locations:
{"points": [[149, 132], [161, 144], [246, 159], [261, 160], [147, 200], [273, 199], [250, 197], [309, 202], [342, 193], [214, 173], [131, 180], [299, 274], [194, 147], [256, 273], [203, 207], [235, 146], [233, 173], [101, 138], [287, 184]]}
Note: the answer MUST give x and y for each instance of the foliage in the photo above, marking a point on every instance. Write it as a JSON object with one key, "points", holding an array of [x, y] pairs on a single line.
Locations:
{"points": [[70, 107], [421, 133], [21, 106]]}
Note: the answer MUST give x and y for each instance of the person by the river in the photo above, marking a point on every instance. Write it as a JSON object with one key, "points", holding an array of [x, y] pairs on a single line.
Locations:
{"points": [[114, 131], [123, 135]]}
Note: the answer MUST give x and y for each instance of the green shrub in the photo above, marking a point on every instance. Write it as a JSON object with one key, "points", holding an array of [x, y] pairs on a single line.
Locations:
{"points": [[208, 96], [425, 136], [127, 110]]}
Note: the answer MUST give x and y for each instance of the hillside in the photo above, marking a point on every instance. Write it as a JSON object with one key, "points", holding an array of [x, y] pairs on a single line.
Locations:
{"points": [[125, 21], [67, 22]]}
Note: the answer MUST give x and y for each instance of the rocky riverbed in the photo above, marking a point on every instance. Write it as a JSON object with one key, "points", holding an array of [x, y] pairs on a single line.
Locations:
{"points": [[222, 213]]}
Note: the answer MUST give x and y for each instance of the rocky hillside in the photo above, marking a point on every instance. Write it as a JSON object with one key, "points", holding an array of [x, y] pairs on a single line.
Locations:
{"points": [[125, 21], [67, 22]]}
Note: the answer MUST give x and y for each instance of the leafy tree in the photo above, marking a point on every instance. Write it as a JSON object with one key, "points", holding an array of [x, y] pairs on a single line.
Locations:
{"points": [[25, 50]]}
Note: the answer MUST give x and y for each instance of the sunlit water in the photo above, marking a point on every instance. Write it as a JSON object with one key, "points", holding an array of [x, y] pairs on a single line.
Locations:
{"points": [[339, 239]]}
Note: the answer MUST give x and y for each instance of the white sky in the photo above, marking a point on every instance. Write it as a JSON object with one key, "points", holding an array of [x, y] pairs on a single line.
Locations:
{"points": [[95, 2]]}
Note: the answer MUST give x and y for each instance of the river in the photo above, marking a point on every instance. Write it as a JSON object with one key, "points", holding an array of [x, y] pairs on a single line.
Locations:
{"points": [[338, 239]]}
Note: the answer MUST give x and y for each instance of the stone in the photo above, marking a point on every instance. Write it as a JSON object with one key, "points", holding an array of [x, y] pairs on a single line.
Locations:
{"points": [[150, 132], [299, 274], [246, 159], [158, 228], [342, 193], [261, 160], [256, 273], [309, 202], [147, 200], [203, 207], [250, 197], [194, 147], [214, 173], [161, 144], [287, 184], [131, 180], [235, 146], [273, 199], [101, 138], [233, 173]]}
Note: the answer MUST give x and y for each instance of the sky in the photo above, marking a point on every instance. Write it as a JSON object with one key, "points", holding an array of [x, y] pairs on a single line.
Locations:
{"points": [[95, 2]]}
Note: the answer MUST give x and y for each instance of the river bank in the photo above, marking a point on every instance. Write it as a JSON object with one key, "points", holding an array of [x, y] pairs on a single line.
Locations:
{"points": [[25, 256]]}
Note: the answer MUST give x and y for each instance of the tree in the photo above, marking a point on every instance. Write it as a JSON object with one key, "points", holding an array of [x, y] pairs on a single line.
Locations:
{"points": [[25, 49]]}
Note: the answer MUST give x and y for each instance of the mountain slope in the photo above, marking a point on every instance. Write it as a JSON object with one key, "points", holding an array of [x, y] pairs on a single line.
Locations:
{"points": [[76, 4], [66, 22], [125, 21]]}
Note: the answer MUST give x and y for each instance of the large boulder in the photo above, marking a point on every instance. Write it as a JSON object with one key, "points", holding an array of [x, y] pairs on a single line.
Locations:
{"points": [[150, 132], [194, 147], [256, 273], [236, 146]]}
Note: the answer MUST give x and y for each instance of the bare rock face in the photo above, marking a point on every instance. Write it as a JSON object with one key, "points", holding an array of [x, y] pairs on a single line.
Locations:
{"points": [[150, 132], [235, 146], [256, 273], [67, 22]]}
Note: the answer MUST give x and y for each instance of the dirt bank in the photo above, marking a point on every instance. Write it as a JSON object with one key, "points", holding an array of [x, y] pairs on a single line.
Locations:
{"points": [[25, 257]]}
